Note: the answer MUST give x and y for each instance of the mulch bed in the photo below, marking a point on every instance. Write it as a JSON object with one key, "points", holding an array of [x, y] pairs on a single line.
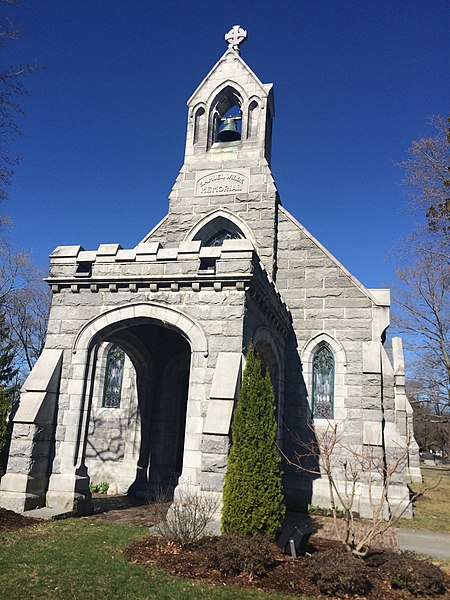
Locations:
{"points": [[289, 576], [10, 520]]}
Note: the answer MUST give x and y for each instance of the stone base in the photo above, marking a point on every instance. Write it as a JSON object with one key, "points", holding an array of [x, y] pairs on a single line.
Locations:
{"points": [[320, 496], [415, 475], [15, 494], [18, 502], [78, 504], [48, 514]]}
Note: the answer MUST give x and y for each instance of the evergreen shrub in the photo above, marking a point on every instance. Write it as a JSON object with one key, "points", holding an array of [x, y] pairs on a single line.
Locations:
{"points": [[253, 501], [4, 407]]}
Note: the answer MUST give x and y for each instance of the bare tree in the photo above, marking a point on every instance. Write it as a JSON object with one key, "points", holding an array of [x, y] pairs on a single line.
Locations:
{"points": [[422, 295], [27, 319], [423, 314], [346, 469], [15, 267], [427, 178], [24, 305], [11, 89]]}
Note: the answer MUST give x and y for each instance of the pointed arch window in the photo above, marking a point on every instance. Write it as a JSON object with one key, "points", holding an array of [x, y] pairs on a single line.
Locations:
{"points": [[214, 232], [323, 382], [112, 389]]}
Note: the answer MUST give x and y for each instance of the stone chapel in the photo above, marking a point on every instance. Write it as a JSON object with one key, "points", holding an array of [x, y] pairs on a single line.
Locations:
{"points": [[145, 346]]}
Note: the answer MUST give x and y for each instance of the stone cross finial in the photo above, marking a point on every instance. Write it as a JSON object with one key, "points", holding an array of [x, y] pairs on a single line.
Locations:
{"points": [[235, 37]]}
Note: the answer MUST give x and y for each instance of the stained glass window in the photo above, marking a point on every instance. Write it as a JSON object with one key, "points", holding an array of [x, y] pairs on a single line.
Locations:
{"points": [[112, 389], [218, 238], [323, 382]]}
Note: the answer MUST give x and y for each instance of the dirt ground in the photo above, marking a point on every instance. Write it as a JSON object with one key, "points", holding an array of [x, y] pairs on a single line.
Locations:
{"points": [[10, 520], [289, 576]]}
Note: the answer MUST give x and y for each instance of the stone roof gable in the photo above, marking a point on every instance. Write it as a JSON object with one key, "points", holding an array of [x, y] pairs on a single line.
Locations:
{"points": [[230, 65], [376, 296]]}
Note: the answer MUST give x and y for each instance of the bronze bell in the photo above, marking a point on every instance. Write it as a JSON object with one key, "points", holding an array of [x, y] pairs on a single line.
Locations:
{"points": [[229, 131]]}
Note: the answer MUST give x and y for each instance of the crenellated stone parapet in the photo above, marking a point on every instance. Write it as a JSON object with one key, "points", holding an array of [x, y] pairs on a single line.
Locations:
{"points": [[150, 267]]}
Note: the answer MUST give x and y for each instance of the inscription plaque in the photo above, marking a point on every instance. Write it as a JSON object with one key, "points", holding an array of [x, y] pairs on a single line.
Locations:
{"points": [[221, 183]]}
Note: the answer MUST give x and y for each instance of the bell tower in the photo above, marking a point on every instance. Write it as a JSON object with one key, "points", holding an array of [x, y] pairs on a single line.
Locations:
{"points": [[231, 111], [225, 187]]}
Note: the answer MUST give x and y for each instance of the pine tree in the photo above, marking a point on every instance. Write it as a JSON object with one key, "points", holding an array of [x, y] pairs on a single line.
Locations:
{"points": [[253, 499], [4, 407], [7, 373]]}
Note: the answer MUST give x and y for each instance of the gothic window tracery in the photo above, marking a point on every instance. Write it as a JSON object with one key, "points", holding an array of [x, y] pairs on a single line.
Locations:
{"points": [[218, 238], [112, 389], [218, 229], [323, 382]]}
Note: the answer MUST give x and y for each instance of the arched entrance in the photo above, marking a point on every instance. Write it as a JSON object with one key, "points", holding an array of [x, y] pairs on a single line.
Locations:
{"points": [[167, 351], [135, 435]]}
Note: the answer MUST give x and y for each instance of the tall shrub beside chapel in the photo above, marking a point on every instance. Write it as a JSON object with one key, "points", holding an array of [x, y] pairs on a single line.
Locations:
{"points": [[253, 500], [7, 374], [4, 406]]}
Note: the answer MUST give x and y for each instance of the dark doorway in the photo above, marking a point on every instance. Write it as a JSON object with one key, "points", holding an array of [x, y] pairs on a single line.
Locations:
{"points": [[161, 360]]}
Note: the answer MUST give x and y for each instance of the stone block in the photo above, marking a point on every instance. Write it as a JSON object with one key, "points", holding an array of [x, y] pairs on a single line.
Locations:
{"points": [[192, 459], [238, 245], [214, 463], [66, 252], [189, 247], [215, 444], [126, 255], [167, 254], [194, 425], [372, 433], [86, 256], [382, 297], [108, 249], [212, 482], [46, 372], [193, 441], [210, 252], [226, 376], [218, 417], [371, 357]]}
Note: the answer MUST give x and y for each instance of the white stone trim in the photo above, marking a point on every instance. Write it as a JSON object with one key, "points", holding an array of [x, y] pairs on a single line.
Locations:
{"points": [[151, 310], [226, 214], [265, 88]]}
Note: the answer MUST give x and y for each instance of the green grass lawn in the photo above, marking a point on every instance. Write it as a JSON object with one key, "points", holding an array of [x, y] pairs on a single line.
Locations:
{"points": [[81, 559], [432, 510]]}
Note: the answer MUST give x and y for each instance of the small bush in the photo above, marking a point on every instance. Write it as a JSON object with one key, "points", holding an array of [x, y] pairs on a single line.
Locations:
{"points": [[235, 554], [419, 577], [99, 488], [339, 573], [189, 515], [323, 512]]}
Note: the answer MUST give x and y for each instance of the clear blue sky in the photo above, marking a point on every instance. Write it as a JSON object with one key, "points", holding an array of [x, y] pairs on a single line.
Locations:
{"points": [[106, 118]]}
